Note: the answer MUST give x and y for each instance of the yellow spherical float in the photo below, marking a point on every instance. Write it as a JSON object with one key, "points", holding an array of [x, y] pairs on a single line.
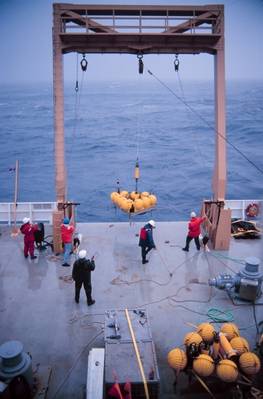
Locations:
{"points": [[240, 345], [113, 196], [249, 363], [153, 199], [124, 194], [230, 330], [125, 205], [227, 370], [192, 338], [134, 195], [206, 331], [138, 204], [116, 199], [177, 359], [203, 365], [144, 194], [146, 202]]}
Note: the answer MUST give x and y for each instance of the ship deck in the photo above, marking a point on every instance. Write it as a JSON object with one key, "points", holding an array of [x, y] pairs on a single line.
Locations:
{"points": [[37, 298]]}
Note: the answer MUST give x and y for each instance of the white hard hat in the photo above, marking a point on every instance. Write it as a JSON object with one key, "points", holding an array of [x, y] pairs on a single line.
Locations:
{"points": [[26, 220], [193, 214], [82, 254], [152, 223]]}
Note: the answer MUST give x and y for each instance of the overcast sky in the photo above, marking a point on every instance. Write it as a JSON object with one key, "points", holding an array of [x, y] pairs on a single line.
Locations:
{"points": [[26, 45]]}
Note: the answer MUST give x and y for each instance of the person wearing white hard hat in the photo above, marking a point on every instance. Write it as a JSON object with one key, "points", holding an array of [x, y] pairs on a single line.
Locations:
{"points": [[194, 231], [81, 274], [146, 241], [28, 230]]}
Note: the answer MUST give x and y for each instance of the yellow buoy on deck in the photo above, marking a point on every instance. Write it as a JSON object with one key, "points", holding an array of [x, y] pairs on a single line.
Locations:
{"points": [[192, 338], [207, 332], [230, 330], [203, 365], [227, 370], [249, 363], [240, 345], [177, 359]]}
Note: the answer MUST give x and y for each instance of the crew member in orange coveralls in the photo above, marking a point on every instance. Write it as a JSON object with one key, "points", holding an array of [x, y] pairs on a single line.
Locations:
{"points": [[28, 230], [194, 231]]}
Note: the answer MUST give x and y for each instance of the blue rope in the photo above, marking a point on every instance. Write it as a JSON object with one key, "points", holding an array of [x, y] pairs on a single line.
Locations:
{"points": [[220, 316]]}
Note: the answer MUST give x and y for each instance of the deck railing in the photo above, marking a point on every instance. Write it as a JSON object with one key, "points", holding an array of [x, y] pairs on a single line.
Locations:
{"points": [[36, 211], [42, 211]]}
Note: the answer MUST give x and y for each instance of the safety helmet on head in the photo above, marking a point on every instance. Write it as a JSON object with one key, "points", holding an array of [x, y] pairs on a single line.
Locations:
{"points": [[66, 221], [82, 254], [152, 223], [193, 214], [26, 220]]}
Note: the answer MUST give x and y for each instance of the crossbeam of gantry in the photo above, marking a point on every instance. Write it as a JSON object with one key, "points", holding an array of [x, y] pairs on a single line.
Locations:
{"points": [[139, 29], [134, 29]]}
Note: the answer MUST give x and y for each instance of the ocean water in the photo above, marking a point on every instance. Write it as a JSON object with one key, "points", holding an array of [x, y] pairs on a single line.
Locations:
{"points": [[107, 125]]}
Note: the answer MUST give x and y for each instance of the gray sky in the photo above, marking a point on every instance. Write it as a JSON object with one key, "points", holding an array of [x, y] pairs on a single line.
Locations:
{"points": [[26, 45]]}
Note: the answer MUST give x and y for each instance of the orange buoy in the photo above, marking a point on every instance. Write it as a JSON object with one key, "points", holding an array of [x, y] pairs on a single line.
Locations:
{"points": [[177, 359], [240, 344], [153, 199], [249, 363], [203, 365], [207, 332], [192, 338], [230, 330], [227, 370]]}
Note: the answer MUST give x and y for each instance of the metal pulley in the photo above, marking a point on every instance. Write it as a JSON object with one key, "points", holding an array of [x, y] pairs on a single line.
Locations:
{"points": [[84, 63], [176, 63], [140, 56]]}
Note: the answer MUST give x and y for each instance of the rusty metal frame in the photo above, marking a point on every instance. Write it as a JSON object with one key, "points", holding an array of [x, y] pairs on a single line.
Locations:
{"points": [[139, 29]]}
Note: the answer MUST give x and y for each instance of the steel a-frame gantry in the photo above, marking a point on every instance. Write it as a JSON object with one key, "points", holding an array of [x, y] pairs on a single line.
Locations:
{"points": [[140, 30]]}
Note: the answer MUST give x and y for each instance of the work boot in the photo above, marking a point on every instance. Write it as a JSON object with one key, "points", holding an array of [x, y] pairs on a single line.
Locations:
{"points": [[33, 257], [145, 261], [91, 302], [185, 249]]}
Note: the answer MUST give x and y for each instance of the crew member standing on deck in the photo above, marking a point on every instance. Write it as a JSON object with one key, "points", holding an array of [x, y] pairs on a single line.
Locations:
{"points": [[146, 239], [67, 230], [81, 275], [194, 231], [28, 230]]}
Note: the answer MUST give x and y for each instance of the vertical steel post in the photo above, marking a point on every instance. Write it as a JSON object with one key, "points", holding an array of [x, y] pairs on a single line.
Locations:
{"points": [[219, 178], [58, 95]]}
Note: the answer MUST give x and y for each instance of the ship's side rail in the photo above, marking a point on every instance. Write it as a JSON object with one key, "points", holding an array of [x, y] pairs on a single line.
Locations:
{"points": [[42, 211], [36, 211], [240, 208]]}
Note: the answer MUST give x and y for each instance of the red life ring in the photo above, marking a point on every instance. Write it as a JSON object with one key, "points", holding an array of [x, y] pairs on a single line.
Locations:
{"points": [[252, 210]]}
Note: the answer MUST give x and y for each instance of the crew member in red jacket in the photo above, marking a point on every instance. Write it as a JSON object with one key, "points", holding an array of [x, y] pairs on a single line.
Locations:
{"points": [[28, 230], [194, 231], [67, 230]]}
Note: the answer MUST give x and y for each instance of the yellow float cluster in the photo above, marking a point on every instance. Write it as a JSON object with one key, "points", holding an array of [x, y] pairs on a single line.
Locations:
{"points": [[224, 353], [134, 201]]}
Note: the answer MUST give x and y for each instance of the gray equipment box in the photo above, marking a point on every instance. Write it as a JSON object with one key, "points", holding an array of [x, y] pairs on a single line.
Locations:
{"points": [[120, 358]]}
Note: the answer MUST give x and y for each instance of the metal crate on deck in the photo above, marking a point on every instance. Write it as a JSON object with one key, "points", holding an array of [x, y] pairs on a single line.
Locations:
{"points": [[121, 363]]}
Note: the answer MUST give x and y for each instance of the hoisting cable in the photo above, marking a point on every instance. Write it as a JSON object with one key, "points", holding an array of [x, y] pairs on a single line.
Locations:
{"points": [[176, 68], [78, 92], [205, 121]]}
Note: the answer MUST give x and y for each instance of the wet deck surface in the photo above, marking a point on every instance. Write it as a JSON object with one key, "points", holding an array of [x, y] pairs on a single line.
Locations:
{"points": [[37, 297]]}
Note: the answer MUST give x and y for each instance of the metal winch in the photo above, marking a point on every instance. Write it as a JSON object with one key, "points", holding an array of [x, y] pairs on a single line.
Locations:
{"points": [[246, 283]]}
